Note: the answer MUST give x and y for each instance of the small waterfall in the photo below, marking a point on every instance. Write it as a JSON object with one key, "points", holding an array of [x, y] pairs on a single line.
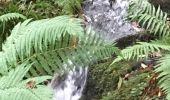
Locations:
{"points": [[70, 86], [107, 18]]}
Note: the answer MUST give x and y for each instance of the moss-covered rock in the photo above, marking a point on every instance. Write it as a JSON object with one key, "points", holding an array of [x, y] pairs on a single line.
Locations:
{"points": [[102, 78], [129, 90], [107, 82]]}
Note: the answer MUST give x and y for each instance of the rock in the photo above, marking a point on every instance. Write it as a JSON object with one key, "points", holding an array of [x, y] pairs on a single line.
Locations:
{"points": [[163, 3], [108, 18]]}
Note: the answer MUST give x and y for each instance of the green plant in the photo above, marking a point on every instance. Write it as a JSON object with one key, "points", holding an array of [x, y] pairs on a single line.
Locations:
{"points": [[129, 90], [6, 22], [7, 17], [45, 46], [36, 9], [70, 6], [13, 87], [50, 42], [154, 21]]}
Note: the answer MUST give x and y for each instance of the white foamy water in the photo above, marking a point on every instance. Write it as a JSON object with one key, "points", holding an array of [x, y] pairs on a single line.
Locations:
{"points": [[107, 18]]}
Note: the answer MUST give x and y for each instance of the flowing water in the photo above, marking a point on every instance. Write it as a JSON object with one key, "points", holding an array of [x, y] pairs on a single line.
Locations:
{"points": [[107, 17], [71, 84]]}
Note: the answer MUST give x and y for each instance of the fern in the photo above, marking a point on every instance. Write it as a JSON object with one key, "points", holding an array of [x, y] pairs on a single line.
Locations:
{"points": [[149, 17], [10, 16], [13, 87], [69, 6], [42, 47], [153, 20], [51, 43], [142, 48], [42, 33], [164, 77], [6, 22]]}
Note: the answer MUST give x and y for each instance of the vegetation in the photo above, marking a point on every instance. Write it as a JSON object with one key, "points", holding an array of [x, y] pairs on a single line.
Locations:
{"points": [[70, 6], [13, 87], [154, 20], [39, 36], [36, 49], [106, 77], [131, 89]]}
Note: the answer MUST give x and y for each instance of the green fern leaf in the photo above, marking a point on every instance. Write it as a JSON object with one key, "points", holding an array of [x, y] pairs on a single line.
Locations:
{"points": [[164, 76], [150, 18], [13, 87], [142, 48], [51, 43], [10, 16]]}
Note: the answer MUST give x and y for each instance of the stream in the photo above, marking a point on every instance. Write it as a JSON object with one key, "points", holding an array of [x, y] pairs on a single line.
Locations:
{"points": [[107, 17]]}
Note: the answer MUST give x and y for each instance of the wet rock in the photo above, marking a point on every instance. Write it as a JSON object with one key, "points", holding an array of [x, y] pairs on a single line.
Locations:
{"points": [[107, 17]]}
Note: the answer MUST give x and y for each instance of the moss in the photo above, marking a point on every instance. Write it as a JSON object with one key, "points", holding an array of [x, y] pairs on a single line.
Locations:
{"points": [[102, 78], [130, 90], [102, 82]]}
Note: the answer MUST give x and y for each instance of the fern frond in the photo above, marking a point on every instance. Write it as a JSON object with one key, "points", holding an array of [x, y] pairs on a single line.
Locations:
{"points": [[163, 68], [4, 68], [7, 22], [40, 93], [13, 87], [10, 16], [154, 20], [137, 7], [52, 43], [14, 76], [24, 42], [142, 48], [150, 18]]}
